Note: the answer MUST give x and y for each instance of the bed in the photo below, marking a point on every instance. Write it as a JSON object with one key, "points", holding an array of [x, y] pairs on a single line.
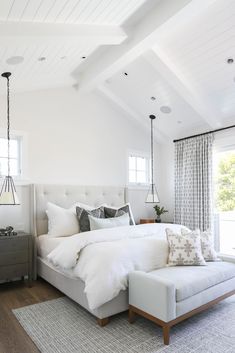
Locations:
{"points": [[93, 267], [65, 196]]}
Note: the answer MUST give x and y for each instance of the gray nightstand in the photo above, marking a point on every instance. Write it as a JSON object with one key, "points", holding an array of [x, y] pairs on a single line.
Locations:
{"points": [[16, 257]]}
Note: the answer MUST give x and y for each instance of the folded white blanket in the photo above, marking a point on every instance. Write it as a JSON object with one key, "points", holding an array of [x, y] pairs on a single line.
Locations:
{"points": [[103, 258]]}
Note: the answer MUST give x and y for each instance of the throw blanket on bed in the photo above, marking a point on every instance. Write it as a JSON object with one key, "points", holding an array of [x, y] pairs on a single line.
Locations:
{"points": [[103, 258]]}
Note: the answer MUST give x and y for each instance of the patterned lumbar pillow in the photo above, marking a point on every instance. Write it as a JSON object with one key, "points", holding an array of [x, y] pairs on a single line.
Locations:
{"points": [[184, 249], [83, 218], [207, 245], [111, 212]]}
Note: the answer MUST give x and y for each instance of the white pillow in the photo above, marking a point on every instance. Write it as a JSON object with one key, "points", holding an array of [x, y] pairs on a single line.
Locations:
{"points": [[61, 222], [102, 223]]}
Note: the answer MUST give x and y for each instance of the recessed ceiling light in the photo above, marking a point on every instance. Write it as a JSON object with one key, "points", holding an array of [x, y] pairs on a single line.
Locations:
{"points": [[15, 60], [230, 60], [83, 57], [153, 98], [42, 58], [165, 109], [125, 73]]}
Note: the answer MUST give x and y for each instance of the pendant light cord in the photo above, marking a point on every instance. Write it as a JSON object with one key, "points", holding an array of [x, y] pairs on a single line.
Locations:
{"points": [[152, 154], [8, 124]]}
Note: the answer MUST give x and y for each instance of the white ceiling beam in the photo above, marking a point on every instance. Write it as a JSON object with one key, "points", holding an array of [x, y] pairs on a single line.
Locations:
{"points": [[166, 16], [159, 136], [166, 68], [35, 32]]}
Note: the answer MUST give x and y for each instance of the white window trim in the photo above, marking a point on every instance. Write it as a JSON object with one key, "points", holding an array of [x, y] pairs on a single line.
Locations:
{"points": [[224, 141], [23, 158], [142, 154]]}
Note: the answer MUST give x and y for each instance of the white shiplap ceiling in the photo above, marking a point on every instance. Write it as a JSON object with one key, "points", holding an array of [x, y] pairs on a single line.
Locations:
{"points": [[173, 50], [61, 31], [198, 51], [189, 71], [103, 12]]}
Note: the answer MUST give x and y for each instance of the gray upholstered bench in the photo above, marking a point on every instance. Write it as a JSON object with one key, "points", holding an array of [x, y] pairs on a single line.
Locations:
{"points": [[172, 294]]}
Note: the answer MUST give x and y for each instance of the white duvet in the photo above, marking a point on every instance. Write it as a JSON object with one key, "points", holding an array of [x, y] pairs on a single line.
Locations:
{"points": [[103, 258]]}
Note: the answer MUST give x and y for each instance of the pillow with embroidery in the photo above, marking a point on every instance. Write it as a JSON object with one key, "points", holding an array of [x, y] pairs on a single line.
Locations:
{"points": [[207, 244], [184, 249]]}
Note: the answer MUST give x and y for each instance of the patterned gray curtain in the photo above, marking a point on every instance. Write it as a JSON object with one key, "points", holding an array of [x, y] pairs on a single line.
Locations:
{"points": [[193, 182]]}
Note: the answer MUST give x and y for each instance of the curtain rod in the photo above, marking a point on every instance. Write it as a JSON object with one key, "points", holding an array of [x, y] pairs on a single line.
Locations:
{"points": [[205, 133]]}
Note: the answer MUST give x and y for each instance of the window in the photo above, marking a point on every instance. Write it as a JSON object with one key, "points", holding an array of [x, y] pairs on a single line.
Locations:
{"points": [[15, 157], [224, 198], [138, 169]]}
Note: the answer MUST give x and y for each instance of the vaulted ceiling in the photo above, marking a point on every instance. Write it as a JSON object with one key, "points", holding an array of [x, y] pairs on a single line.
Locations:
{"points": [[163, 57]]}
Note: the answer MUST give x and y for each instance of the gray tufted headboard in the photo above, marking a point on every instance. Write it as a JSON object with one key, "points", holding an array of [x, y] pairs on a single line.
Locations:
{"points": [[66, 195]]}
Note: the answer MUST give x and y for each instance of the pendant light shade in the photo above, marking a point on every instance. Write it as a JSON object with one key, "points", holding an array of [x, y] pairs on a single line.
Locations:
{"points": [[8, 194], [152, 196]]}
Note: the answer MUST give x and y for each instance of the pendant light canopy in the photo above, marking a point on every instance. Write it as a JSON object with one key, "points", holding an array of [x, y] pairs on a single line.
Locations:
{"points": [[152, 196], [8, 194]]}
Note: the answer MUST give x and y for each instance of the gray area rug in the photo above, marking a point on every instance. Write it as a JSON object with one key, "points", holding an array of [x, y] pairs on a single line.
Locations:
{"points": [[62, 326]]}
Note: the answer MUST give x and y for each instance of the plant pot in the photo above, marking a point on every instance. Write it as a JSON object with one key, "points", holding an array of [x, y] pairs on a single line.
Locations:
{"points": [[158, 219]]}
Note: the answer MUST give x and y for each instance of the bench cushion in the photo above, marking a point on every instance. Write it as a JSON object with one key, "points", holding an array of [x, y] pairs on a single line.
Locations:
{"points": [[190, 280]]}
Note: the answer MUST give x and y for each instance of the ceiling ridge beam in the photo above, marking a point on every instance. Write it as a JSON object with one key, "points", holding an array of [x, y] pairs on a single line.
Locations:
{"points": [[99, 34]]}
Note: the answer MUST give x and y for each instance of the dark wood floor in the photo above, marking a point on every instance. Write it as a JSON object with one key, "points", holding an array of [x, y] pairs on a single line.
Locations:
{"points": [[13, 339]]}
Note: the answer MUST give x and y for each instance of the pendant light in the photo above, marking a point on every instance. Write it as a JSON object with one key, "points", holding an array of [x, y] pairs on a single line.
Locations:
{"points": [[8, 194], [152, 196]]}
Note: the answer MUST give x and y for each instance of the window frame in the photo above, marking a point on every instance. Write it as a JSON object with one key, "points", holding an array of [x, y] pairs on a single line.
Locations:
{"points": [[224, 142], [139, 154], [22, 156]]}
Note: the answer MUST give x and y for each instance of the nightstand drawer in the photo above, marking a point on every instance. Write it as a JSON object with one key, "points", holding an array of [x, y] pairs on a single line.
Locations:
{"points": [[13, 271], [12, 258], [19, 243]]}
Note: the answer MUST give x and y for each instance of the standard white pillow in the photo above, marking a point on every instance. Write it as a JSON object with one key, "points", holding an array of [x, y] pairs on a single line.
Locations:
{"points": [[61, 222], [102, 223]]}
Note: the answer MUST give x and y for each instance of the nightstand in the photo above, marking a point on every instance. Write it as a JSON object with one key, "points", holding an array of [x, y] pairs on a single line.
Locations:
{"points": [[147, 220], [16, 257]]}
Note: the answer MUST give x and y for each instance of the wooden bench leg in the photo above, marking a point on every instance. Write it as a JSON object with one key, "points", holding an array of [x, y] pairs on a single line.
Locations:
{"points": [[131, 316], [103, 322], [166, 334]]}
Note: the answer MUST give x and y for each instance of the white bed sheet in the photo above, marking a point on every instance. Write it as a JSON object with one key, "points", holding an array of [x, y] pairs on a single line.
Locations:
{"points": [[46, 243]]}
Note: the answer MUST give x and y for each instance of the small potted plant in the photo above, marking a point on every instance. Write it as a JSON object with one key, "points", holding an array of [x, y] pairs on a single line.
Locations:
{"points": [[159, 211]]}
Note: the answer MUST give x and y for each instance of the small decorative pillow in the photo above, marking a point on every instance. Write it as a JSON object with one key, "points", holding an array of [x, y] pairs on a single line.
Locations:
{"points": [[83, 218], [207, 245], [184, 250], [102, 223], [111, 212]]}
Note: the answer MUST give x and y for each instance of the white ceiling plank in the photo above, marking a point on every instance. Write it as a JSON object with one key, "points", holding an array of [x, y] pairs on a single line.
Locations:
{"points": [[165, 15], [165, 69], [33, 32], [5, 7], [16, 10]]}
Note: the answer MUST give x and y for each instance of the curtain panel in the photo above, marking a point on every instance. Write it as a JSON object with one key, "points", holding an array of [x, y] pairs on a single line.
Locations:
{"points": [[193, 182]]}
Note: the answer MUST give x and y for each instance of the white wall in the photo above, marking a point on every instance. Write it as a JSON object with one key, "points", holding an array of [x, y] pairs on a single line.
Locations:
{"points": [[75, 138]]}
